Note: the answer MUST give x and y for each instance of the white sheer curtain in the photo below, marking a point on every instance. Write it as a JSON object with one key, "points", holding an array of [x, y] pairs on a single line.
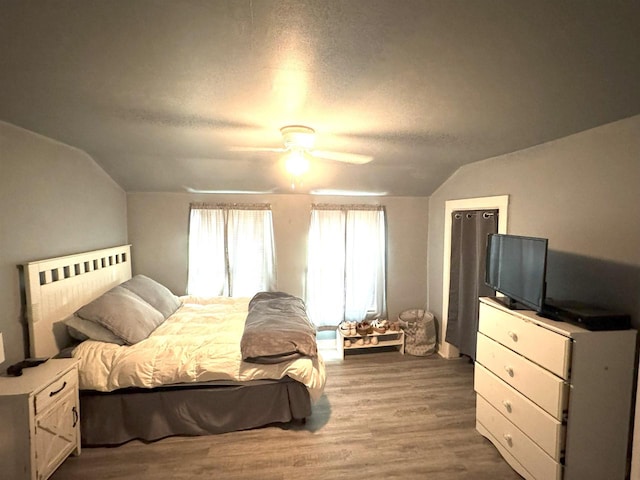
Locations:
{"points": [[325, 268], [365, 270], [251, 252], [207, 264], [346, 277], [231, 251]]}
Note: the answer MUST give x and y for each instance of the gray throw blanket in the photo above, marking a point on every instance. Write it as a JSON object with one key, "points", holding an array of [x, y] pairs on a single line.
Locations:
{"points": [[277, 329]]}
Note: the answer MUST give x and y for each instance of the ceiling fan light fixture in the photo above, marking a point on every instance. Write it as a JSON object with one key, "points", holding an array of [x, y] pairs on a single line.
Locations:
{"points": [[296, 163]]}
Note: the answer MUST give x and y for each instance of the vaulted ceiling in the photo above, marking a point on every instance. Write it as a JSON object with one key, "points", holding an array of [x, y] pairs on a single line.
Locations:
{"points": [[176, 95]]}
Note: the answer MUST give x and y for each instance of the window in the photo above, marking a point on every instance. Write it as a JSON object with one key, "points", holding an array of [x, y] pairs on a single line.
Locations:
{"points": [[346, 278], [231, 250]]}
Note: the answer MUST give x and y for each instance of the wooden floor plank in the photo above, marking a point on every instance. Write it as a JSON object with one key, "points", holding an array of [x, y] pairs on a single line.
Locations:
{"points": [[383, 415]]}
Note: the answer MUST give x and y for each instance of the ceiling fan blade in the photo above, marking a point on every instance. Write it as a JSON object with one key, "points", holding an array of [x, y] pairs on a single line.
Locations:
{"points": [[256, 149], [354, 158]]}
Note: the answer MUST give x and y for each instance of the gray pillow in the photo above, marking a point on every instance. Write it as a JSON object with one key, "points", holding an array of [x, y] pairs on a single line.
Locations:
{"points": [[123, 313], [155, 294], [82, 330]]}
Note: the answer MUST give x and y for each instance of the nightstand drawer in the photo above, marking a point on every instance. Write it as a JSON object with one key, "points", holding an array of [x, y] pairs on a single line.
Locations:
{"points": [[541, 387], [542, 346], [55, 389], [540, 465], [537, 424]]}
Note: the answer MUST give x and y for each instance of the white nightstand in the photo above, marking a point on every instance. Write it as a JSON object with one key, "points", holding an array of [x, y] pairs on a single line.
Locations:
{"points": [[39, 419]]}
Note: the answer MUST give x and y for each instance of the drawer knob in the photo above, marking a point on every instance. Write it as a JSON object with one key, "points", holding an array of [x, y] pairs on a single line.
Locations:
{"points": [[513, 335], [508, 439], [507, 405], [509, 370]]}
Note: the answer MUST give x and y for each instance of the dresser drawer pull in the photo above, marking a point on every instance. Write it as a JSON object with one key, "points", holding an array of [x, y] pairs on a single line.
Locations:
{"points": [[507, 405], [513, 335], [508, 439], [509, 370], [51, 394], [74, 410]]}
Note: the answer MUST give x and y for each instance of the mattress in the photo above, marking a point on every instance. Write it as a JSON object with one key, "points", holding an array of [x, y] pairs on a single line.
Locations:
{"points": [[200, 342]]}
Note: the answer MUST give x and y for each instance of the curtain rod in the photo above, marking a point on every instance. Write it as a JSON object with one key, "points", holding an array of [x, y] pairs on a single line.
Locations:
{"points": [[330, 206], [231, 206]]}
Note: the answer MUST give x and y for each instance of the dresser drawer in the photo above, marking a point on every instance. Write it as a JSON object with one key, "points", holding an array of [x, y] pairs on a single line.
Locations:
{"points": [[501, 431], [541, 387], [55, 390], [546, 348], [537, 424]]}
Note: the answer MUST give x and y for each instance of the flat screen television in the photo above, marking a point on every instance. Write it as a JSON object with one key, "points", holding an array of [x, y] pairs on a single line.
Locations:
{"points": [[516, 267]]}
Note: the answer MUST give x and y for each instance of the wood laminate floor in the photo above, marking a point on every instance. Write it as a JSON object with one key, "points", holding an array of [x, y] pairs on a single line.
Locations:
{"points": [[383, 416]]}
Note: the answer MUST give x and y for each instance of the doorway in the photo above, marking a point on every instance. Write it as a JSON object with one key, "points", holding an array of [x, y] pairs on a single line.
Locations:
{"points": [[469, 232], [499, 203]]}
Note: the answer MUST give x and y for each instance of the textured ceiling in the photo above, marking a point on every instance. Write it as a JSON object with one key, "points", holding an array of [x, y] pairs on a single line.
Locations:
{"points": [[162, 93]]}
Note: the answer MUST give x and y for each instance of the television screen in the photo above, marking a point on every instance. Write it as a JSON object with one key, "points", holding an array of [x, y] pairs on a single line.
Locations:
{"points": [[516, 267]]}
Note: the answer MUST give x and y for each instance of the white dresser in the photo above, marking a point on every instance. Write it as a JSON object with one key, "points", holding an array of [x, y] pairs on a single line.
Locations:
{"points": [[554, 398]]}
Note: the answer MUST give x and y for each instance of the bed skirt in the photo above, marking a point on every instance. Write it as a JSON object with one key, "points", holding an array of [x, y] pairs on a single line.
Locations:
{"points": [[117, 417]]}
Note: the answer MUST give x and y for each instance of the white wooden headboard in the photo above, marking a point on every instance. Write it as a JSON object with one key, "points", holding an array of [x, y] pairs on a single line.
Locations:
{"points": [[57, 287]]}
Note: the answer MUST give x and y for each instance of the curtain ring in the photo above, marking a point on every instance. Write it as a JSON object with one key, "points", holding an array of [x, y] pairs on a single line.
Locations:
{"points": [[457, 216], [486, 215], [470, 215]]}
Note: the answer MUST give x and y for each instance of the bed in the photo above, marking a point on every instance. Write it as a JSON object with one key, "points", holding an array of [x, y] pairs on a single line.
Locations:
{"points": [[195, 366]]}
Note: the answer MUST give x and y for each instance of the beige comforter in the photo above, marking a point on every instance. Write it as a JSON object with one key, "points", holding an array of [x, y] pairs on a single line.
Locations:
{"points": [[198, 343]]}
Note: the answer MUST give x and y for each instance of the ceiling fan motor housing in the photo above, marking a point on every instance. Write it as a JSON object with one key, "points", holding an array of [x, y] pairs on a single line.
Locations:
{"points": [[298, 137]]}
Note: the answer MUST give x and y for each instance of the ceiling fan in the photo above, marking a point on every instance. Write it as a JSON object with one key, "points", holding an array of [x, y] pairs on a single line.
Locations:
{"points": [[299, 140]]}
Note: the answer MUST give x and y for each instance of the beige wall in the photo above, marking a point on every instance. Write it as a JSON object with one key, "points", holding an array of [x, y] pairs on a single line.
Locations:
{"points": [[158, 224], [55, 201]]}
